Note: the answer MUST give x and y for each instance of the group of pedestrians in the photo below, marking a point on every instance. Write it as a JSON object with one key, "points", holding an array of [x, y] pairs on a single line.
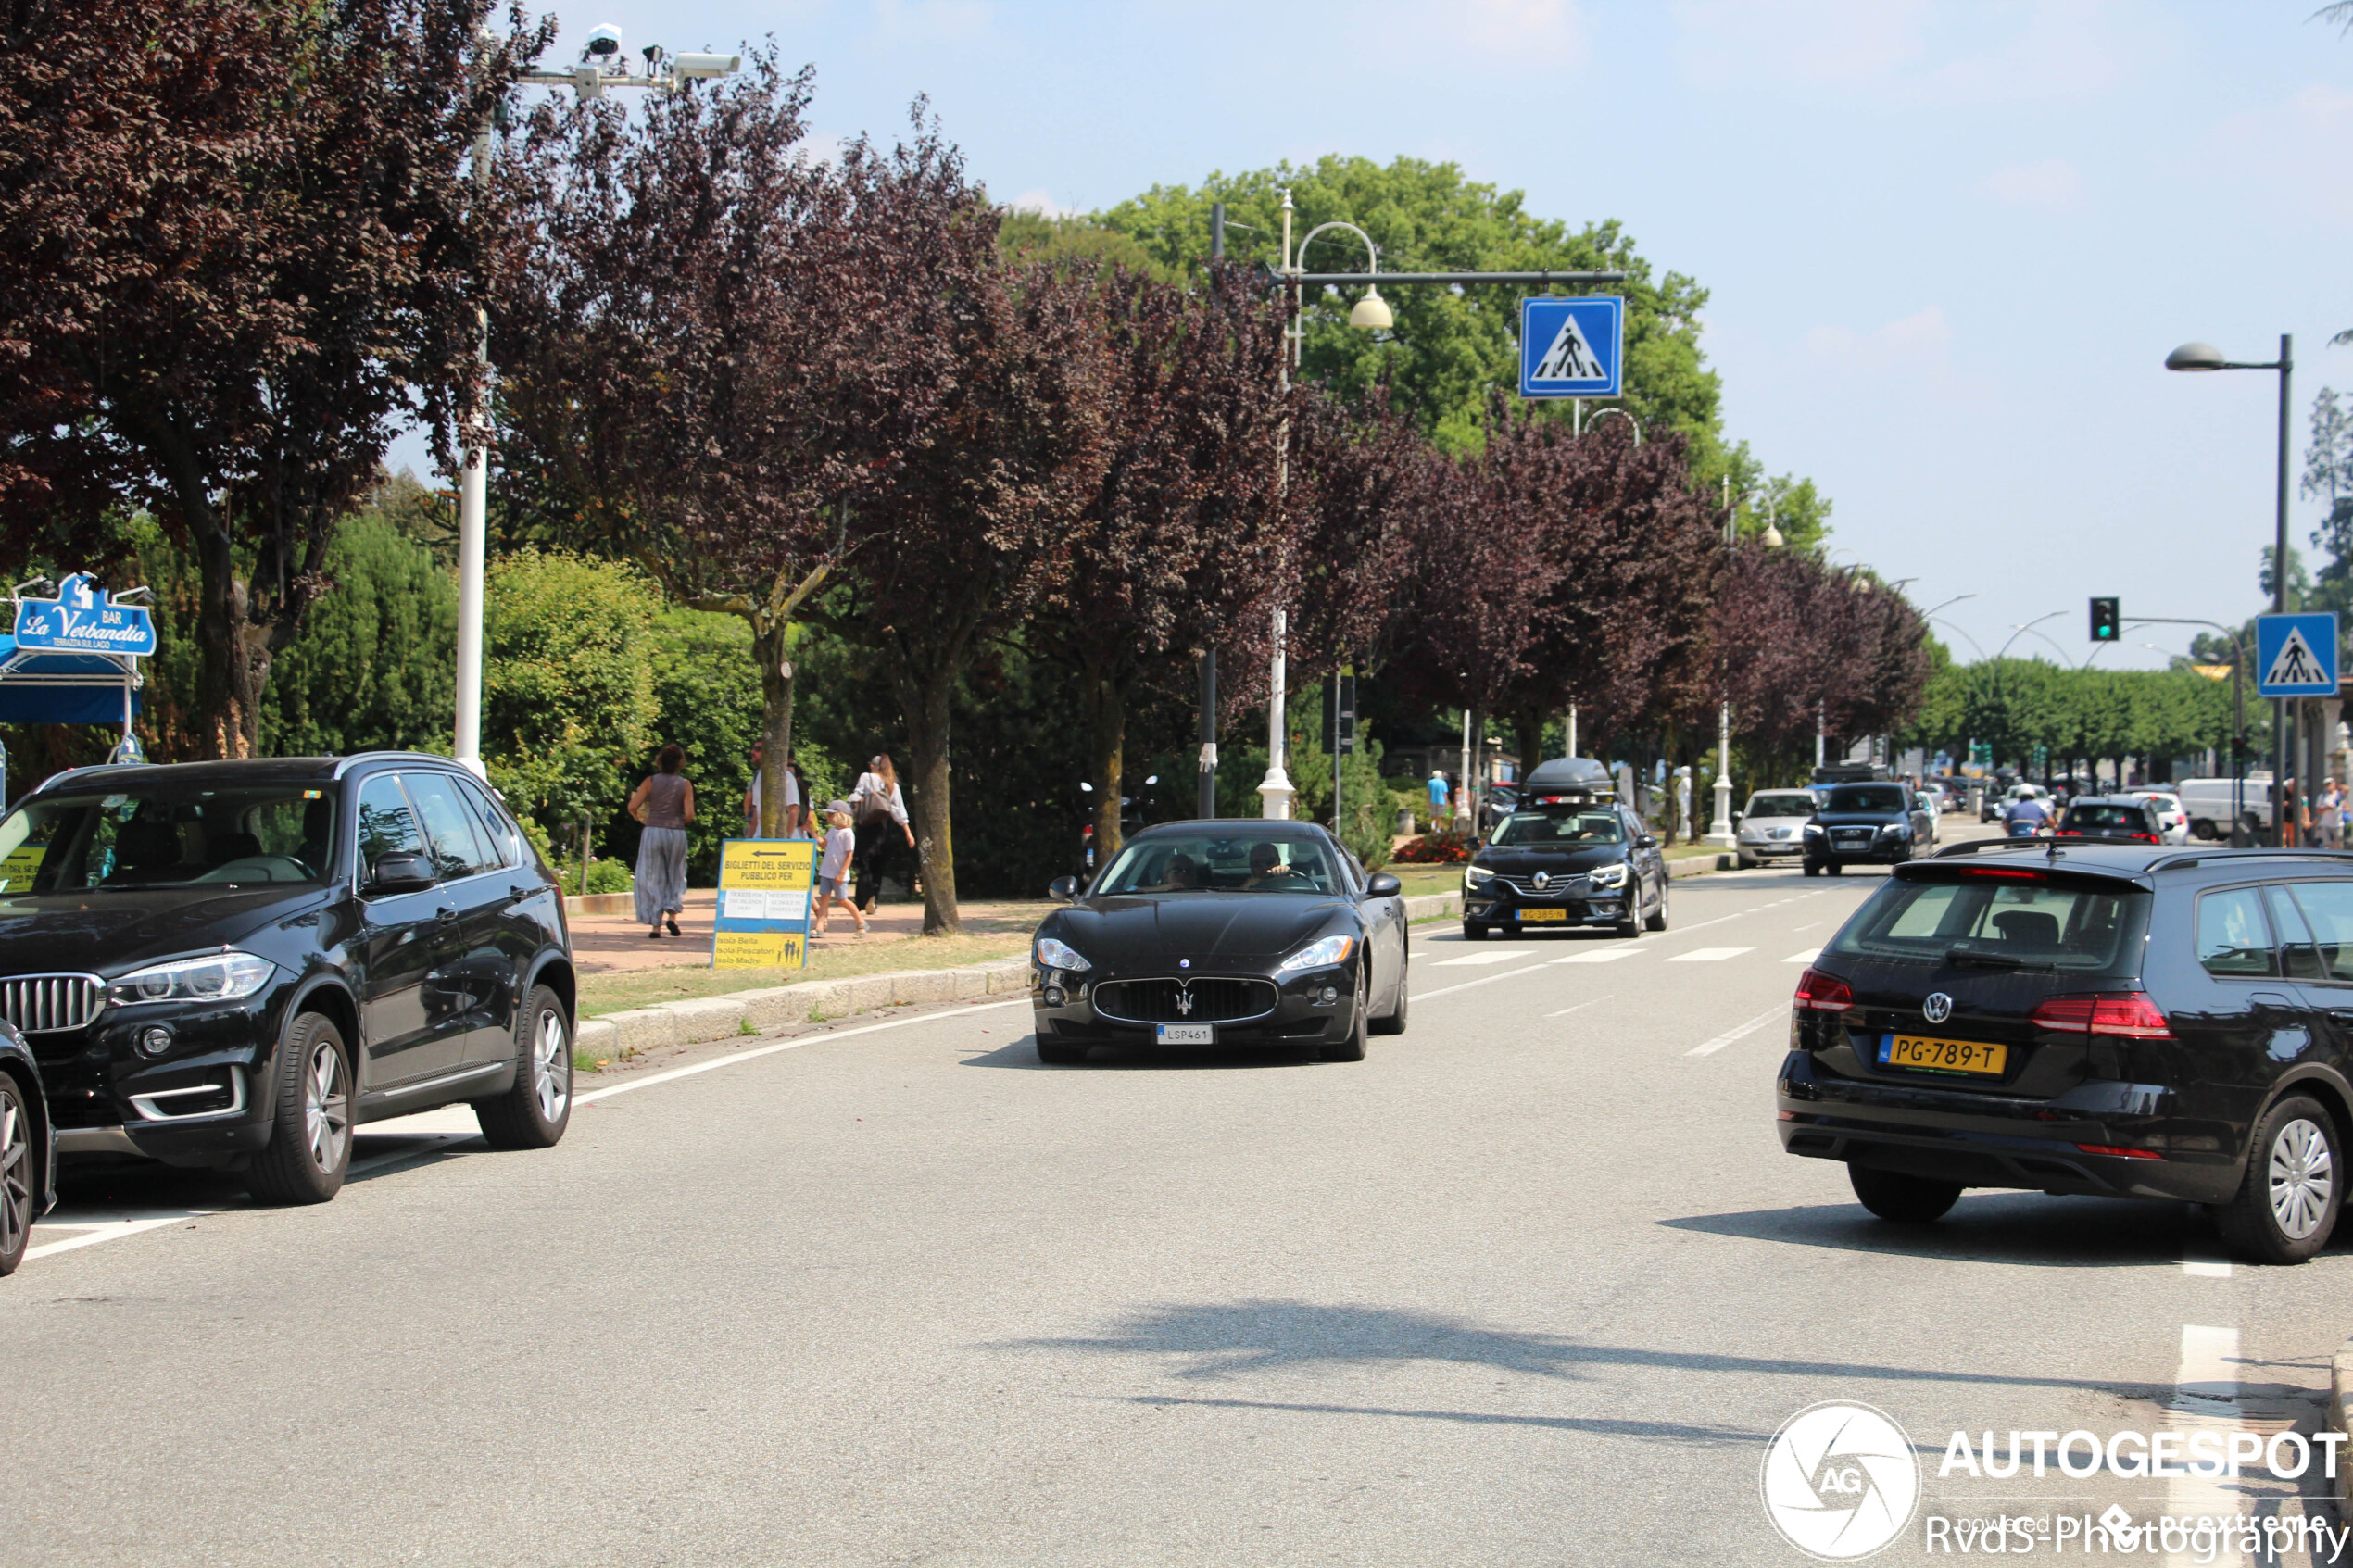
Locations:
{"points": [[863, 837], [2316, 822]]}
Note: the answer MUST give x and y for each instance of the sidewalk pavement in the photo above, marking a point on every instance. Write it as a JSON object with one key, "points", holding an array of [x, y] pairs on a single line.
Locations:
{"points": [[614, 943]]}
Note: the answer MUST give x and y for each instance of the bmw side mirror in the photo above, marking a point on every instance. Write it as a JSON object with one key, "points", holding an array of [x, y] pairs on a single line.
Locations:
{"points": [[1063, 889], [401, 873], [1380, 884]]}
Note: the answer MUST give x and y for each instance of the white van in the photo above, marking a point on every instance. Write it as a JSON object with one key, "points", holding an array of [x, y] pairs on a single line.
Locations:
{"points": [[2207, 801]]}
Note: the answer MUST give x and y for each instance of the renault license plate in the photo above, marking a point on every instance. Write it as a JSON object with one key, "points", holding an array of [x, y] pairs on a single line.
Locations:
{"points": [[1542, 914], [1187, 1034], [1970, 1057]]}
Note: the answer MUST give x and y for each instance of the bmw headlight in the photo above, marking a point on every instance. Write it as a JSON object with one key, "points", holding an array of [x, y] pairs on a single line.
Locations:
{"points": [[1059, 955], [216, 977], [1322, 954], [1474, 876], [1608, 876]]}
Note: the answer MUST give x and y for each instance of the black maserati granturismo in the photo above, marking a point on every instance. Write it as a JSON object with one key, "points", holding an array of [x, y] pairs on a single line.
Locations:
{"points": [[1227, 932]]}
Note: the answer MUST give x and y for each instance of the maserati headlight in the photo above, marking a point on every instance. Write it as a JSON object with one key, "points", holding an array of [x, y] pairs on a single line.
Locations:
{"points": [[216, 977], [1322, 954], [1608, 876], [1059, 955], [1474, 876]]}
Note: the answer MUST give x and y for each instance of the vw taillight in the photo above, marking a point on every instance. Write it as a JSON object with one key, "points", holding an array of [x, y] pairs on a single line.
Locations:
{"points": [[1823, 993], [2127, 1014]]}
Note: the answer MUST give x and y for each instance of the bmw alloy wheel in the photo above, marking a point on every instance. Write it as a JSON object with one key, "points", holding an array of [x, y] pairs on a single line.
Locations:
{"points": [[326, 1107], [2302, 1173], [550, 1083]]}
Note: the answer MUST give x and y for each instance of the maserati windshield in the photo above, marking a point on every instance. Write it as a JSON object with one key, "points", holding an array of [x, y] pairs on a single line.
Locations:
{"points": [[1221, 862]]}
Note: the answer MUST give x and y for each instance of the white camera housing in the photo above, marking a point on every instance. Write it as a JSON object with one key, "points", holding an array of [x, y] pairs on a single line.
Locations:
{"points": [[688, 67], [603, 46]]}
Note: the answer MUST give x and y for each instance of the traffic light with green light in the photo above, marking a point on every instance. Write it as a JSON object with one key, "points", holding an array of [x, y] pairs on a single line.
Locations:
{"points": [[2104, 620]]}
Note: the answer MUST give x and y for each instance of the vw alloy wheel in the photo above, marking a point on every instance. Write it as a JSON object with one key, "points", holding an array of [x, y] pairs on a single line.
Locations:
{"points": [[2302, 1177]]}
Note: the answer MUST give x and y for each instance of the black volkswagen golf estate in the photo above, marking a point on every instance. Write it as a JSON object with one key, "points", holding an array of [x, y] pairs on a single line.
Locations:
{"points": [[234, 965], [2089, 1018]]}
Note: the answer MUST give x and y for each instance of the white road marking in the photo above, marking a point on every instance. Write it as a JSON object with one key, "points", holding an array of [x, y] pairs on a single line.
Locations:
{"points": [[1499, 956], [2200, 1262], [732, 1058], [2206, 1391], [1482, 980], [1709, 955], [1601, 955], [1808, 955], [112, 1229], [1579, 1008], [1734, 1036]]}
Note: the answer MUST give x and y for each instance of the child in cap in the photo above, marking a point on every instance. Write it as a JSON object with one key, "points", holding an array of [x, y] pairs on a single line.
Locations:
{"points": [[833, 871]]}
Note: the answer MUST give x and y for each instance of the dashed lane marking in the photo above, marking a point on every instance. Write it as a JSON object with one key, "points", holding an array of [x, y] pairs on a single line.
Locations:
{"points": [[1709, 955], [1740, 1032], [1808, 955], [2200, 1262], [1580, 1006]]}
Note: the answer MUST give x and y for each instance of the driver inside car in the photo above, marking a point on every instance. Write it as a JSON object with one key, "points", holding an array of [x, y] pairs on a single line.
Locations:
{"points": [[1266, 868]]}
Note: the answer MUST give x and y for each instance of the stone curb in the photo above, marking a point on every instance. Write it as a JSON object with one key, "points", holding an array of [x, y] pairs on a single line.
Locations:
{"points": [[2341, 1417], [617, 1036], [578, 903]]}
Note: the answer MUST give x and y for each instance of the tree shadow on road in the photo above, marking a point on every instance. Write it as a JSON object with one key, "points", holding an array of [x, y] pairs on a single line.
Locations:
{"points": [[1219, 1340]]}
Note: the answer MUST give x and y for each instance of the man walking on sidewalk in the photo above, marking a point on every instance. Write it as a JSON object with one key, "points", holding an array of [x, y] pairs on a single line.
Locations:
{"points": [[751, 796]]}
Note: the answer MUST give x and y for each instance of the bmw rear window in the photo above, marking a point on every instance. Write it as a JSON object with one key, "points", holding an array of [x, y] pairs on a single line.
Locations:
{"points": [[2001, 920]]}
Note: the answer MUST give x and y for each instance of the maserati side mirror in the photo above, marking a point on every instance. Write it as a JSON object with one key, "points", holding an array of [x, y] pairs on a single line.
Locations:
{"points": [[1063, 889], [1380, 884]]}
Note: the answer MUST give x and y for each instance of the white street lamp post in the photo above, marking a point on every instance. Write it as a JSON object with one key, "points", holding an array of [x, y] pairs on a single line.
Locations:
{"points": [[601, 66], [1369, 314], [1720, 831]]}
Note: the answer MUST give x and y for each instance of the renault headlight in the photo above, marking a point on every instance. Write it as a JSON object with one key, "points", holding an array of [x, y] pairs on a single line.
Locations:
{"points": [[1319, 955], [1059, 955], [1608, 876], [216, 977], [1475, 877]]}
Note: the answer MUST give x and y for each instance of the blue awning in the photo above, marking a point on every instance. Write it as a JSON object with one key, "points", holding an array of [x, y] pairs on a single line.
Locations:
{"points": [[63, 688]]}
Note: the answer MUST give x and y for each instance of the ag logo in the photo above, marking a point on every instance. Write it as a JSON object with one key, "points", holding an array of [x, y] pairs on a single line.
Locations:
{"points": [[1839, 1481], [1937, 1007]]}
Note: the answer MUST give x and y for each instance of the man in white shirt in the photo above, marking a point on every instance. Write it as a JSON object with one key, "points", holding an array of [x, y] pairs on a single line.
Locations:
{"points": [[751, 798]]}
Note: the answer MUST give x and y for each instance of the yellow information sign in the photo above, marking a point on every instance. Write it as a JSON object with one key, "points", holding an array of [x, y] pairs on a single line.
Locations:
{"points": [[764, 885], [18, 869]]}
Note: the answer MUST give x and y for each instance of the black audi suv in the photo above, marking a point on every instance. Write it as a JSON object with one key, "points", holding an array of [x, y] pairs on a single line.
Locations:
{"points": [[2089, 1018], [1222, 933], [233, 964], [1861, 823]]}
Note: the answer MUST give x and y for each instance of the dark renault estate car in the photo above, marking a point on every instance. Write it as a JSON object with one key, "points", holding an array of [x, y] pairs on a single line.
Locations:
{"points": [[2089, 1018], [233, 964]]}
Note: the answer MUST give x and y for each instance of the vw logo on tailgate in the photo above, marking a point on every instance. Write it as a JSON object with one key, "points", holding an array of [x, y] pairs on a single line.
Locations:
{"points": [[1937, 1007]]}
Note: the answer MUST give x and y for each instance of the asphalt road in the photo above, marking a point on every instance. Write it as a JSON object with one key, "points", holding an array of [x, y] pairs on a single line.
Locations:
{"points": [[1532, 1284]]}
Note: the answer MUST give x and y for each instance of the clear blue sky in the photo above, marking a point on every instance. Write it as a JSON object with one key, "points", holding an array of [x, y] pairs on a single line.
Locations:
{"points": [[1949, 242]]}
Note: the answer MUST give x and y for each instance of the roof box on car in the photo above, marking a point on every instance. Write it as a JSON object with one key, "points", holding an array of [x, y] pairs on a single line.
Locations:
{"points": [[1567, 780]]}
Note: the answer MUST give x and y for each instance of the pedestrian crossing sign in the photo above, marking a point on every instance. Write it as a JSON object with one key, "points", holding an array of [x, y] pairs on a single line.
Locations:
{"points": [[1571, 347], [2295, 655]]}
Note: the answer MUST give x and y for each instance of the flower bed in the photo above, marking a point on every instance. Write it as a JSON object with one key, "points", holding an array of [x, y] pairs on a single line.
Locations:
{"points": [[1437, 849]]}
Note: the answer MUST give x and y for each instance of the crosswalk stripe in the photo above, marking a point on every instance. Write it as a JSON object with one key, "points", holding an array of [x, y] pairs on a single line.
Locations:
{"points": [[1808, 955], [1499, 956], [1600, 955], [1709, 955]]}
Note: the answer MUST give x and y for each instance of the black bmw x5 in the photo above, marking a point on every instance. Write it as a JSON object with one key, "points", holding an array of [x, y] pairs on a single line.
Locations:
{"points": [[2094, 1019], [232, 965]]}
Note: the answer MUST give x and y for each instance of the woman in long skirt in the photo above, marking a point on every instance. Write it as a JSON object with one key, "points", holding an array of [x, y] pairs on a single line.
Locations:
{"points": [[665, 803]]}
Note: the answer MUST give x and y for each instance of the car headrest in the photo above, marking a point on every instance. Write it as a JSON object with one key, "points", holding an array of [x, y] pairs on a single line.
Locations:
{"points": [[2028, 928], [146, 844]]}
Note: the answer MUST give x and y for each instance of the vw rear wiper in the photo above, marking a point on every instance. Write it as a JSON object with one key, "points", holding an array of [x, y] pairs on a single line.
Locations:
{"points": [[1978, 958]]}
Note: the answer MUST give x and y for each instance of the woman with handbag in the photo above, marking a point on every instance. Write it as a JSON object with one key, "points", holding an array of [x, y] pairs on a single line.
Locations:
{"points": [[877, 808], [665, 803]]}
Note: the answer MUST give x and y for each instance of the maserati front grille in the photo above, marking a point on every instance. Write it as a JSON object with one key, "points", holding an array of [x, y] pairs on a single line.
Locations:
{"points": [[1209, 999]]}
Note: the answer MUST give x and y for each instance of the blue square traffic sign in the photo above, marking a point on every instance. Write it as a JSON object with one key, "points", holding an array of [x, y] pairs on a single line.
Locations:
{"points": [[1571, 347], [2295, 655]]}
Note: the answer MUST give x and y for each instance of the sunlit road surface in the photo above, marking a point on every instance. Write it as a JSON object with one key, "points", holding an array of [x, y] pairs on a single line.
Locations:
{"points": [[1532, 1284]]}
